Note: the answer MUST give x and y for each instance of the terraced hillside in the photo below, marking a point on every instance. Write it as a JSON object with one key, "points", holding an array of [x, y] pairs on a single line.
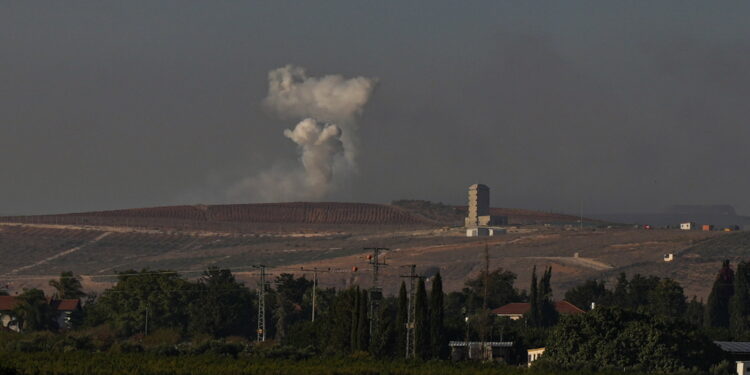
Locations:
{"points": [[238, 217], [190, 238]]}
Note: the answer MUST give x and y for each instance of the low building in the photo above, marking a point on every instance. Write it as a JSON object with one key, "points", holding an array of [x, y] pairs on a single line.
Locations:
{"points": [[668, 257], [480, 351], [738, 352], [516, 310], [687, 226], [533, 354], [707, 227], [64, 308], [484, 232]]}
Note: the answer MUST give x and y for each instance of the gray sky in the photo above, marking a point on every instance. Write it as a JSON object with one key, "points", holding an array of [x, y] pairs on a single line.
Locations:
{"points": [[625, 106]]}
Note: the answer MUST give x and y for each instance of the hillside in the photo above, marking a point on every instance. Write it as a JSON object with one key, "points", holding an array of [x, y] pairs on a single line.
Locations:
{"points": [[203, 216], [299, 236]]}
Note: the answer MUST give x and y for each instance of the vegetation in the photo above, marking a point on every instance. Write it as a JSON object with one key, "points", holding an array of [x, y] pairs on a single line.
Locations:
{"points": [[612, 338], [151, 317]]}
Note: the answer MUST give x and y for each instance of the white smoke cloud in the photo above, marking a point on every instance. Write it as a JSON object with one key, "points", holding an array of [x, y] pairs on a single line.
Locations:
{"points": [[331, 98], [328, 107], [320, 144]]}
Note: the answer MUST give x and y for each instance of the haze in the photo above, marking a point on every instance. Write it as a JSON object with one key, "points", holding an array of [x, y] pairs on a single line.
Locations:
{"points": [[617, 106]]}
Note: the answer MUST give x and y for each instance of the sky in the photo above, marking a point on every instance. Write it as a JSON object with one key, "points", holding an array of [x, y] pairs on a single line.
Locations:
{"points": [[613, 106]]}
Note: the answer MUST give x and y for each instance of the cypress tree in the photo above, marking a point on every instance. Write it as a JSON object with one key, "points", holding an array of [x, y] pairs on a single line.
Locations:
{"points": [[383, 344], [402, 311], [717, 307], [354, 334], [739, 304], [439, 347], [694, 312], [547, 314], [341, 329], [534, 314], [363, 324], [421, 322]]}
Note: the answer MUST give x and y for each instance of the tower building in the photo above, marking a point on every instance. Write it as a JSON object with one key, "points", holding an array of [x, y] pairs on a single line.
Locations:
{"points": [[478, 214]]}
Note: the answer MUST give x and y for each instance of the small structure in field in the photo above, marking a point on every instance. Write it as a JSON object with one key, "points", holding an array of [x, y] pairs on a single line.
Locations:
{"points": [[707, 227], [687, 226], [668, 257]]}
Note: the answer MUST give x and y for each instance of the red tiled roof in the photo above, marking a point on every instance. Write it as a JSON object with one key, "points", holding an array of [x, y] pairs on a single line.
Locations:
{"points": [[514, 308], [565, 307], [67, 304], [7, 303], [520, 308]]}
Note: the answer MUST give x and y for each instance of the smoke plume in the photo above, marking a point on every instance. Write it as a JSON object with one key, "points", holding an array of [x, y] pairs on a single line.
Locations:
{"points": [[326, 137]]}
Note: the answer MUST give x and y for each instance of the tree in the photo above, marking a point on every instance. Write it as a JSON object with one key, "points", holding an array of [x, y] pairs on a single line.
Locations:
{"points": [[354, 329], [548, 316], [613, 338], [499, 292], [363, 323], [159, 297], [68, 286], [533, 317], [591, 291], [222, 306], [620, 294], [421, 322], [33, 311], [384, 341], [717, 306], [342, 321], [739, 304], [667, 299], [639, 289], [438, 341], [402, 316], [694, 312]]}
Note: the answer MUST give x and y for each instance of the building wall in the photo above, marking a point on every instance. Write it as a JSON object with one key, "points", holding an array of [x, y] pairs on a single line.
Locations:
{"points": [[479, 204]]}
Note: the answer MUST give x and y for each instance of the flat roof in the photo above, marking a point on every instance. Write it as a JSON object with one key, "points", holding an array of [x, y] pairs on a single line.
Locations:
{"points": [[734, 346], [503, 344]]}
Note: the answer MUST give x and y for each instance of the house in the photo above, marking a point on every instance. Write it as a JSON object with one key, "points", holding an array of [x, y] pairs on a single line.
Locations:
{"points": [[708, 227], [687, 226], [64, 308], [515, 310], [739, 352], [533, 355]]}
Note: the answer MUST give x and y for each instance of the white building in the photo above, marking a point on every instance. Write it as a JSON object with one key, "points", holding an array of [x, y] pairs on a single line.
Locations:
{"points": [[687, 226], [534, 354]]}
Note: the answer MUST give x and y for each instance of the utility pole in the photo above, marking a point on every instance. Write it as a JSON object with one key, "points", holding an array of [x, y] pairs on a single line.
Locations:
{"points": [[146, 328], [411, 312], [376, 293], [262, 304]]}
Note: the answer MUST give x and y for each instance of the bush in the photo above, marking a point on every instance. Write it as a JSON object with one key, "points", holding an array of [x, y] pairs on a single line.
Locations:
{"points": [[161, 337], [612, 338]]}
